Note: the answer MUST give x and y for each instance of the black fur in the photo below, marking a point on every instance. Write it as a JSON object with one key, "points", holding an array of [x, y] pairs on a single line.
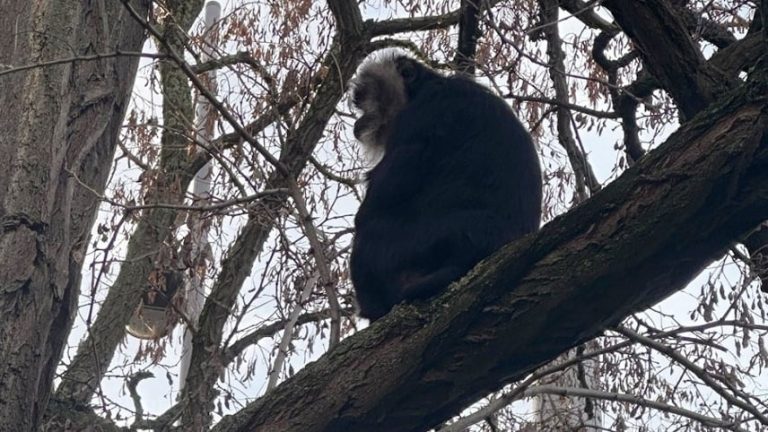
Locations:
{"points": [[458, 179]]}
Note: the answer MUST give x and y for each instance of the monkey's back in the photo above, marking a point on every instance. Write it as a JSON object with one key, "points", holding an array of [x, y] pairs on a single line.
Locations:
{"points": [[459, 178], [476, 154]]}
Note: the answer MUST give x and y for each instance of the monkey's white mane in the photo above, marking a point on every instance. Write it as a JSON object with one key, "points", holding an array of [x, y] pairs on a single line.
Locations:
{"points": [[383, 96]]}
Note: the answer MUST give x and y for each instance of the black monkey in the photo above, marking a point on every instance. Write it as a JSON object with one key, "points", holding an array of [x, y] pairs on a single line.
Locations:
{"points": [[458, 177]]}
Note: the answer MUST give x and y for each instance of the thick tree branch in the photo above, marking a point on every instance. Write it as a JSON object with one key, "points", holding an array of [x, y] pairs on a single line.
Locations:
{"points": [[63, 416], [638, 240], [403, 25], [347, 15], [739, 55], [731, 60], [584, 12], [469, 32], [692, 83], [669, 53]]}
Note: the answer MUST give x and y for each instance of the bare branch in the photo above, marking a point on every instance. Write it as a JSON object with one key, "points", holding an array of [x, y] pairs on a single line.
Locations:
{"points": [[133, 382], [564, 104], [285, 340], [342, 60], [496, 405], [705, 377], [272, 329], [404, 25], [239, 58], [623, 103], [321, 263], [204, 91], [7, 70], [585, 177]]}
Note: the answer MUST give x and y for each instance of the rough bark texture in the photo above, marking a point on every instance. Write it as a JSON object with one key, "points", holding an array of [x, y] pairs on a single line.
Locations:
{"points": [[58, 129], [643, 237], [172, 177]]}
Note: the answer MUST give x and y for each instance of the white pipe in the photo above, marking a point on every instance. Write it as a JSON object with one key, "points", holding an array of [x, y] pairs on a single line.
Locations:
{"points": [[201, 187]]}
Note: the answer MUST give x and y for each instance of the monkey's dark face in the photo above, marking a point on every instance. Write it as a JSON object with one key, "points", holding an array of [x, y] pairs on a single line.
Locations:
{"points": [[378, 92], [381, 89]]}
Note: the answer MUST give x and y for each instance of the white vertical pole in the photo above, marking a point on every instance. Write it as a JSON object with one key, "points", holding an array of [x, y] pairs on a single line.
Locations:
{"points": [[201, 185]]}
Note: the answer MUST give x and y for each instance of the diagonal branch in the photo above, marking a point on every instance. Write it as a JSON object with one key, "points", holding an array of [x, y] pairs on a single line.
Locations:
{"points": [[585, 12], [404, 25], [669, 52]]}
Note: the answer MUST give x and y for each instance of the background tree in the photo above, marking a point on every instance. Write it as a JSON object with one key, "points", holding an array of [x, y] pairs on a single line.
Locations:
{"points": [[651, 119]]}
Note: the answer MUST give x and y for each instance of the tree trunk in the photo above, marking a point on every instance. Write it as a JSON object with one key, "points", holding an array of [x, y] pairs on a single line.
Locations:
{"points": [[58, 129]]}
